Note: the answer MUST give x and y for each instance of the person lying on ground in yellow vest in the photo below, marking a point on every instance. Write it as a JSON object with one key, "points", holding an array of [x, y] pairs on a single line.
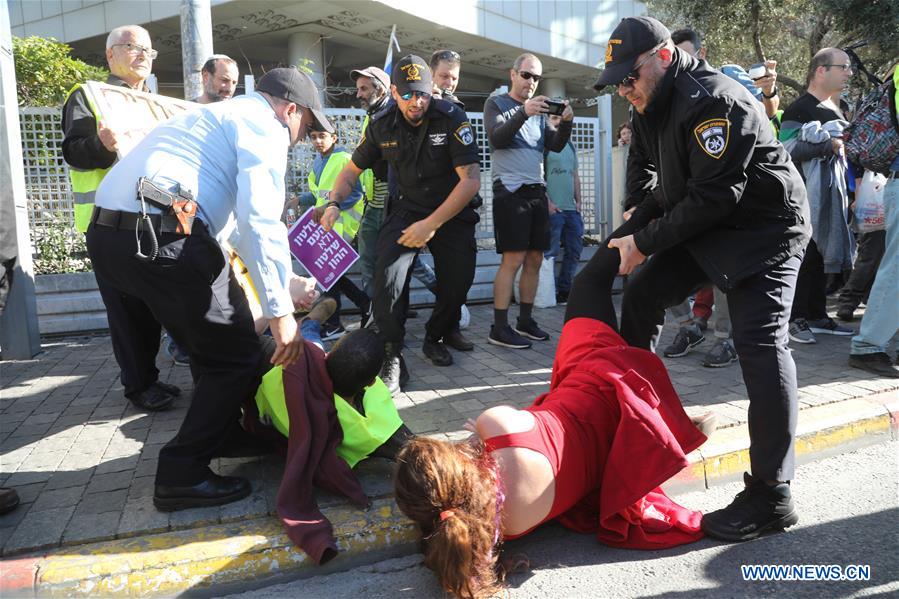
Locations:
{"points": [[327, 165], [371, 425], [368, 417]]}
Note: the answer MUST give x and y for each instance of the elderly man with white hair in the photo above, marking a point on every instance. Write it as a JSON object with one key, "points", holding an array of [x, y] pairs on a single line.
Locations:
{"points": [[89, 147]]}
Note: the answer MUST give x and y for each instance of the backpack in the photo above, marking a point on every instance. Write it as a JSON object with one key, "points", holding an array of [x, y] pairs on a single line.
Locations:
{"points": [[872, 139]]}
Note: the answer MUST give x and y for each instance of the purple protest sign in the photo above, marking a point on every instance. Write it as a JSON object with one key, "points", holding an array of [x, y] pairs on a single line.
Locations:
{"points": [[326, 256]]}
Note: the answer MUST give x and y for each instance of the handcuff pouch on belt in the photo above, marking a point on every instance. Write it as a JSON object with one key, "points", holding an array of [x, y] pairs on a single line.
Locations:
{"points": [[179, 209]]}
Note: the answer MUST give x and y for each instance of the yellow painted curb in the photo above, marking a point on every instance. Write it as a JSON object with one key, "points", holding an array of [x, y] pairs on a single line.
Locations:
{"points": [[171, 563]]}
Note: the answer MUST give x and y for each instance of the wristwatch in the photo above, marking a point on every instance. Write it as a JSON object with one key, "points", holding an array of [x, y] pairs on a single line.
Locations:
{"points": [[333, 204], [773, 93]]}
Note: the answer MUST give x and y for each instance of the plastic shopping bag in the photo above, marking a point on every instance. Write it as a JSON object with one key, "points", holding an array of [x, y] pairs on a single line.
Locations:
{"points": [[869, 208]]}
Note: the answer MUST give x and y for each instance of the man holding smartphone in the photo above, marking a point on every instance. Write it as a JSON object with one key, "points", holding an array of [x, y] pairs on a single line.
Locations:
{"points": [[519, 130]]}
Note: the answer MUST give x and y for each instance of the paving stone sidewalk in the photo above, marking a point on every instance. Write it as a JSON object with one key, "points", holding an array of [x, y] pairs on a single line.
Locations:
{"points": [[83, 459]]}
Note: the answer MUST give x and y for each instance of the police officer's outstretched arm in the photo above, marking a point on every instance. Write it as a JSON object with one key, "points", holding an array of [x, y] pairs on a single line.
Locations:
{"points": [[420, 232], [720, 135]]}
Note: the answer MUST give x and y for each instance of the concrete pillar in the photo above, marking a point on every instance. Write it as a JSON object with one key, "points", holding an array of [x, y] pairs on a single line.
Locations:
{"points": [[196, 44], [307, 51], [19, 334], [552, 88]]}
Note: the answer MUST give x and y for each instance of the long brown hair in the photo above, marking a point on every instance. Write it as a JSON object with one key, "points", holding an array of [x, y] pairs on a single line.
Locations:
{"points": [[458, 481]]}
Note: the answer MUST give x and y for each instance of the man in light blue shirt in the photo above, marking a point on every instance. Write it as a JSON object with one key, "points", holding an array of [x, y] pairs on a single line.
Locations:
{"points": [[231, 157]]}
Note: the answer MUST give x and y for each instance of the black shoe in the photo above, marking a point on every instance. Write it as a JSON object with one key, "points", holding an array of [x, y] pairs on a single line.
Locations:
{"points": [[846, 313], [530, 330], [9, 499], [878, 363], [756, 509], [561, 298], [456, 340], [436, 352], [506, 337], [153, 399], [170, 389], [410, 313], [722, 354], [215, 490], [394, 372], [686, 339], [333, 331]]}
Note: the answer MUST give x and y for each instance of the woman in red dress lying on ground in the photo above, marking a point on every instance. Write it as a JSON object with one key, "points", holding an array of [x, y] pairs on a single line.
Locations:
{"points": [[591, 453]]}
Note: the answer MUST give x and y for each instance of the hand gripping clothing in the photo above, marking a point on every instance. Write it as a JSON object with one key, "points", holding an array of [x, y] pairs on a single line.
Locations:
{"points": [[613, 429]]}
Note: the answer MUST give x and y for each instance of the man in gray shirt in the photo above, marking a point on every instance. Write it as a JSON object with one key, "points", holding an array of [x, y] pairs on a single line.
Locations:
{"points": [[519, 131]]}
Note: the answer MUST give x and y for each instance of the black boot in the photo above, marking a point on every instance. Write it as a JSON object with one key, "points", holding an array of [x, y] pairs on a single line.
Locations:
{"points": [[394, 372], [758, 508], [392, 446]]}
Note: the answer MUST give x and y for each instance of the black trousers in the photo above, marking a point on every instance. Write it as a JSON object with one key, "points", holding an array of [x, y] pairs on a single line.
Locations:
{"points": [[870, 251], [811, 286], [759, 308], [135, 336], [455, 254], [191, 291], [347, 287]]}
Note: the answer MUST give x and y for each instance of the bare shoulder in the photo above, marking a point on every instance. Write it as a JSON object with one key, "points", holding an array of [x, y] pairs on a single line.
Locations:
{"points": [[503, 420]]}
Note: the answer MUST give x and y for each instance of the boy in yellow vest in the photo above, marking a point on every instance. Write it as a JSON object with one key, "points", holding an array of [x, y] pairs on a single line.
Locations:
{"points": [[325, 168], [368, 417]]}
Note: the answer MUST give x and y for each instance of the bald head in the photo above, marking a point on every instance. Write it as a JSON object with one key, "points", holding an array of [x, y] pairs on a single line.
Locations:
{"points": [[127, 33], [829, 71]]}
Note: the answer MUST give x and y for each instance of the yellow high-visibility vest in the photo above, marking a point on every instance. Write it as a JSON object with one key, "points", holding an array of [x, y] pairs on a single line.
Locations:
{"points": [[348, 223], [361, 434], [85, 182]]}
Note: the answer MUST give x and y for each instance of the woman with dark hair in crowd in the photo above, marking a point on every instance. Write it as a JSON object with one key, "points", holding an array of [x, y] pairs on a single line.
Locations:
{"points": [[591, 453], [624, 134]]}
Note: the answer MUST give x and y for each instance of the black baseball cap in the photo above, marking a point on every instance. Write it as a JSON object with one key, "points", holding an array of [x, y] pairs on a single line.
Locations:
{"points": [[323, 125], [412, 73], [288, 83], [372, 73], [632, 37]]}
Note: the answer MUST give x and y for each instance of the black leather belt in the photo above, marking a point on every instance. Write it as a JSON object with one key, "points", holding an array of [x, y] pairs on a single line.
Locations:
{"points": [[121, 220]]}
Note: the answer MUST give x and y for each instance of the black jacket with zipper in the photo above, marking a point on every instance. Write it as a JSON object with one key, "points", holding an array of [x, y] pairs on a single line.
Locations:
{"points": [[705, 170]]}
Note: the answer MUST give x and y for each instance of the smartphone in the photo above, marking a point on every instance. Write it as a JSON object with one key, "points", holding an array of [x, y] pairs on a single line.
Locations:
{"points": [[757, 71], [555, 107]]}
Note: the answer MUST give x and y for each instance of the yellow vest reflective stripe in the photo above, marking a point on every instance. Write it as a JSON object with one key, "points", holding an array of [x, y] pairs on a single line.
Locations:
{"points": [[348, 223], [361, 434], [85, 182]]}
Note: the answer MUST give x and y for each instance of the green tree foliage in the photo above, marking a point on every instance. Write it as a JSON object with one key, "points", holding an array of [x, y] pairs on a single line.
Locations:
{"points": [[45, 72], [789, 31]]}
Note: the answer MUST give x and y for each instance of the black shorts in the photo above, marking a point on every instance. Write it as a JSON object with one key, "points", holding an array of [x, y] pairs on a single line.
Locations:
{"points": [[520, 218]]}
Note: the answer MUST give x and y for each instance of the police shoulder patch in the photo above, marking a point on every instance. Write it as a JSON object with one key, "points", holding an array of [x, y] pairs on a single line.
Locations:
{"points": [[712, 136], [464, 134]]}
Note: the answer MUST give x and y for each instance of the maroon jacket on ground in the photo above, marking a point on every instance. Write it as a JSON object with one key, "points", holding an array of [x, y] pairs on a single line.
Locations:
{"points": [[311, 457]]}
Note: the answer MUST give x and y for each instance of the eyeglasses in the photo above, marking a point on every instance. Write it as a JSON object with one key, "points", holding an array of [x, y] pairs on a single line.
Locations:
{"points": [[634, 75], [526, 75], [845, 67], [415, 94], [138, 49]]}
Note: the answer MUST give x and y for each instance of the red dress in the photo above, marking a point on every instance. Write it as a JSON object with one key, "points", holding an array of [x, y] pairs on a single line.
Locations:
{"points": [[613, 429]]}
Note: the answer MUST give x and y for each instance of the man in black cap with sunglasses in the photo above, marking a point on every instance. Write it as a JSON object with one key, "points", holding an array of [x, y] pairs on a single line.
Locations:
{"points": [[718, 201], [155, 233], [431, 148]]}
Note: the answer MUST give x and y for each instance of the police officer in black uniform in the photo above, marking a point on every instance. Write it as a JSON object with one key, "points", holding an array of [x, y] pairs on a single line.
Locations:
{"points": [[431, 148], [719, 202]]}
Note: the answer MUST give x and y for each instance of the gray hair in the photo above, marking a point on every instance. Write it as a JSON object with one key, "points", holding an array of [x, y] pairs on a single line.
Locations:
{"points": [[526, 56], [116, 34]]}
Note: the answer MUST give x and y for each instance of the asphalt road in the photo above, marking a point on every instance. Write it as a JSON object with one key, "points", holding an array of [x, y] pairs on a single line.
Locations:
{"points": [[849, 515]]}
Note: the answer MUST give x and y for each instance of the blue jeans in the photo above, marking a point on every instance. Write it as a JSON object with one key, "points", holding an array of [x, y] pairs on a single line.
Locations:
{"points": [[567, 226], [881, 319], [367, 242], [312, 332]]}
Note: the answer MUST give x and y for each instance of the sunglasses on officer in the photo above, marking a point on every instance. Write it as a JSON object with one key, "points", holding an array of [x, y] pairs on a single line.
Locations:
{"points": [[634, 75], [527, 75], [415, 94]]}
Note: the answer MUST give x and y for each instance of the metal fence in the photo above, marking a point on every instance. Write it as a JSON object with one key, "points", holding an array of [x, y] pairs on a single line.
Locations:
{"points": [[50, 197]]}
